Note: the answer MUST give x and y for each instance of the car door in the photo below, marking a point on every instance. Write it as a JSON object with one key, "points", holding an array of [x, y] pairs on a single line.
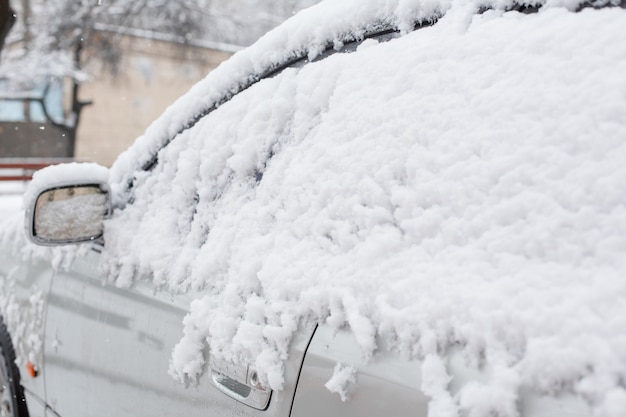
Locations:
{"points": [[107, 352], [107, 349], [337, 380], [109, 338]]}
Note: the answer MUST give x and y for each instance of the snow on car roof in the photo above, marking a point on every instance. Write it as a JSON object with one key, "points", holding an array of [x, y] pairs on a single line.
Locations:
{"points": [[309, 33], [462, 185]]}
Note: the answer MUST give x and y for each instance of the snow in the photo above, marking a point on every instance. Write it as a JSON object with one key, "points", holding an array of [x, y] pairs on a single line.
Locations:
{"points": [[462, 185], [24, 320], [474, 196], [62, 175], [301, 35], [435, 381], [339, 383], [10, 197]]}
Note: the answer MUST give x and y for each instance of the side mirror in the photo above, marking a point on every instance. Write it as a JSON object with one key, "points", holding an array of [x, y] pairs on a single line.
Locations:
{"points": [[62, 211]]}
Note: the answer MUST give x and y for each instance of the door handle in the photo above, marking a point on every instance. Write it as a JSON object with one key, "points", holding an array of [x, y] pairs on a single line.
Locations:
{"points": [[240, 382]]}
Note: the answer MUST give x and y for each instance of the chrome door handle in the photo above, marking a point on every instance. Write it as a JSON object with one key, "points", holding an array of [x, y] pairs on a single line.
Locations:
{"points": [[241, 383]]}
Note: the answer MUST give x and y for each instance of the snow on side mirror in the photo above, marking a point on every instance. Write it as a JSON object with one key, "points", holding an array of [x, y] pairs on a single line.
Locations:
{"points": [[67, 204]]}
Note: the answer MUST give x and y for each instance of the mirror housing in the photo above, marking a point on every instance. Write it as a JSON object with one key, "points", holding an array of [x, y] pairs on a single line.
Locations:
{"points": [[61, 211]]}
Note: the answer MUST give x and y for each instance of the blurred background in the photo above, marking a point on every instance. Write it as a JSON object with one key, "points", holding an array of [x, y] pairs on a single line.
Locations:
{"points": [[81, 79]]}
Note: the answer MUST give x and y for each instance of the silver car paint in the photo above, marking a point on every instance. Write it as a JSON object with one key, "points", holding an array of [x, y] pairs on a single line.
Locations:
{"points": [[385, 386], [390, 385], [113, 358]]}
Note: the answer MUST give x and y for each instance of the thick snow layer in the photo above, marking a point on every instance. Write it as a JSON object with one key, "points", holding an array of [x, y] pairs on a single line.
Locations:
{"points": [[307, 34], [302, 35], [463, 184], [64, 174]]}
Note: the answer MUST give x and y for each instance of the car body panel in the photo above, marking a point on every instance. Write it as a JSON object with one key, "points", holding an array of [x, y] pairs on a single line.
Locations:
{"points": [[389, 384], [385, 385], [36, 406], [118, 348], [107, 356], [23, 306]]}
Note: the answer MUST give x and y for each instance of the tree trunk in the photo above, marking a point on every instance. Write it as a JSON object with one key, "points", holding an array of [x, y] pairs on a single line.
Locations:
{"points": [[7, 18]]}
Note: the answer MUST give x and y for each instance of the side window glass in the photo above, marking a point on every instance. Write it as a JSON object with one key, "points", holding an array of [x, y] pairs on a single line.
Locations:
{"points": [[214, 164]]}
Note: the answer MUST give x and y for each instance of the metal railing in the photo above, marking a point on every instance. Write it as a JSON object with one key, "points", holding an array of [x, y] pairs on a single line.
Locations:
{"points": [[23, 169]]}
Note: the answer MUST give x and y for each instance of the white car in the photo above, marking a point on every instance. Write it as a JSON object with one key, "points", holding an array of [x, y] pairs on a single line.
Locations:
{"points": [[398, 207]]}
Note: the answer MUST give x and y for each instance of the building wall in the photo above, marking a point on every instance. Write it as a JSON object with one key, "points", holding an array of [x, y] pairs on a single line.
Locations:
{"points": [[153, 74]]}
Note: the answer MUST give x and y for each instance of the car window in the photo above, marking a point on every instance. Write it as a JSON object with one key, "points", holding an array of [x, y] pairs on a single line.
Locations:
{"points": [[215, 162], [219, 160], [299, 60]]}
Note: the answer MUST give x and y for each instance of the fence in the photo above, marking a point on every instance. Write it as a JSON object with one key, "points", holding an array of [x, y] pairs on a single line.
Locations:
{"points": [[23, 169]]}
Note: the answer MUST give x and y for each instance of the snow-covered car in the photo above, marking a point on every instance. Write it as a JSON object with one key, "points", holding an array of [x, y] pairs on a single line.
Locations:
{"points": [[398, 207]]}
